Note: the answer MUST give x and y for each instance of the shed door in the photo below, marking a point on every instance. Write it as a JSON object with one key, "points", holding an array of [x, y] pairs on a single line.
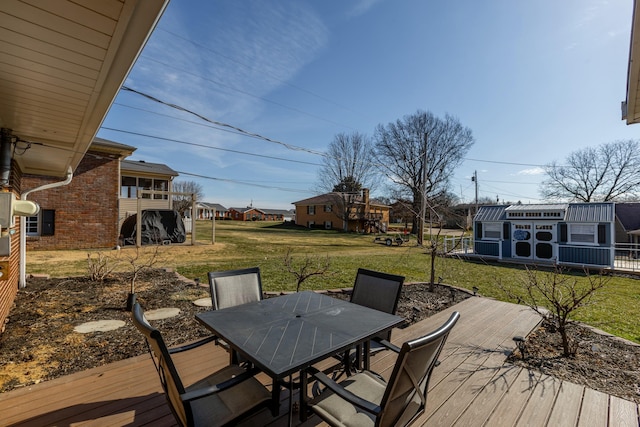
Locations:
{"points": [[522, 240], [545, 241]]}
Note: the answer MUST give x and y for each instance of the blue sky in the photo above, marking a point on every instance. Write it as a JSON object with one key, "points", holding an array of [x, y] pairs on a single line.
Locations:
{"points": [[534, 81]]}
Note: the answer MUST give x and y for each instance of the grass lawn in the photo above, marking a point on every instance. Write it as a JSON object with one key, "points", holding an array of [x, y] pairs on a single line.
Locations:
{"points": [[265, 244]]}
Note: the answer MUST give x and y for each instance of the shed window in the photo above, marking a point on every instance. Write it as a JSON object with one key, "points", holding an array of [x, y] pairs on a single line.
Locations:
{"points": [[583, 233], [492, 230]]}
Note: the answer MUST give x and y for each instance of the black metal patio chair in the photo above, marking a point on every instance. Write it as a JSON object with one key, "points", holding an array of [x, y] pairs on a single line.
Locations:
{"points": [[365, 399], [218, 399]]}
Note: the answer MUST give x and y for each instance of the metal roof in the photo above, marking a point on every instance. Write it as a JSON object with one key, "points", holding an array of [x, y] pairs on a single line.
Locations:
{"points": [[490, 213], [537, 208], [590, 212]]}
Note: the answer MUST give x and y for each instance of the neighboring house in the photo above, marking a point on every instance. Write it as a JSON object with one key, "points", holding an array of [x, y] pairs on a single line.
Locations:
{"points": [[245, 214], [156, 181], [275, 214], [206, 210], [325, 211], [63, 65], [627, 224], [254, 214], [84, 213], [567, 234]]}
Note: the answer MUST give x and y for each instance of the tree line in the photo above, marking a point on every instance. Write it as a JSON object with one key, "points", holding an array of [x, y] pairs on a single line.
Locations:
{"points": [[416, 157]]}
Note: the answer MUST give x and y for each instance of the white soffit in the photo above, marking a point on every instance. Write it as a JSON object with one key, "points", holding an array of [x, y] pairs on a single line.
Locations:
{"points": [[61, 65]]}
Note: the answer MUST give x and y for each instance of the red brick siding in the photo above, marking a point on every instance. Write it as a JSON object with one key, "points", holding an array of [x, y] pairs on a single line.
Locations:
{"points": [[9, 287], [86, 210]]}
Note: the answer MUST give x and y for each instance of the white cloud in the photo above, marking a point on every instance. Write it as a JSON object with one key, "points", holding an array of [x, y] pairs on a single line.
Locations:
{"points": [[532, 171]]}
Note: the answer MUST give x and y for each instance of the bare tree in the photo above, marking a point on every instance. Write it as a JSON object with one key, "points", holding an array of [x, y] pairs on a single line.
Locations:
{"points": [[606, 173], [403, 147], [347, 169], [139, 261], [310, 266], [190, 190], [555, 296]]}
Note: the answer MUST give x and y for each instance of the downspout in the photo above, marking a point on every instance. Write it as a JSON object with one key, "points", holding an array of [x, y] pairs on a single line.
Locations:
{"points": [[23, 225]]}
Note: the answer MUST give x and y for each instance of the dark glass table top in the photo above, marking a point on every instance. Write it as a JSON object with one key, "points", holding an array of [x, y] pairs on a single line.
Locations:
{"points": [[284, 334]]}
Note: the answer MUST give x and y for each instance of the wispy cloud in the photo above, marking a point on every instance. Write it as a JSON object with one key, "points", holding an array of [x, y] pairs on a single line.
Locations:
{"points": [[225, 61], [361, 7], [532, 171]]}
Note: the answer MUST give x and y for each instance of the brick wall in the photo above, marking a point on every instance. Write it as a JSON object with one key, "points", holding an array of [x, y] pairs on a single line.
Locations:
{"points": [[9, 280], [86, 210]]}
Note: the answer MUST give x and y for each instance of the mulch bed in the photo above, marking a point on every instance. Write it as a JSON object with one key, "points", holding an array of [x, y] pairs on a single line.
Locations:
{"points": [[40, 344]]}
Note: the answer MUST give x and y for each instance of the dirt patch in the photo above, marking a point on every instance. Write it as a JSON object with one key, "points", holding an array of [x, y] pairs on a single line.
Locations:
{"points": [[602, 362], [40, 344]]}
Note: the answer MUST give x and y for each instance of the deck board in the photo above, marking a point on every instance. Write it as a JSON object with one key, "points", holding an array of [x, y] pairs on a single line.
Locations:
{"points": [[473, 386]]}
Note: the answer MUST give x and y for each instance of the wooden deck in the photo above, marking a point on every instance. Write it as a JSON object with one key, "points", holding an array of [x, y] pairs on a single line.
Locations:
{"points": [[471, 387]]}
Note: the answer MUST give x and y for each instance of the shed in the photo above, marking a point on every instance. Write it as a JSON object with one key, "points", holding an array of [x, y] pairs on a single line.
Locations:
{"points": [[567, 233]]}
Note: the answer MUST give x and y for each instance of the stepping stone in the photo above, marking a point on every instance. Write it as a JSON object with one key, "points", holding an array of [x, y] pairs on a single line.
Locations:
{"points": [[161, 313], [203, 302], [98, 326]]}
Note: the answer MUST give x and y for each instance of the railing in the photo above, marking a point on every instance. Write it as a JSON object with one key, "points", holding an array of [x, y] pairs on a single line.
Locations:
{"points": [[627, 256], [458, 244]]}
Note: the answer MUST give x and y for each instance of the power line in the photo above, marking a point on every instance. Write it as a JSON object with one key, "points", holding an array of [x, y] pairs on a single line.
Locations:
{"points": [[297, 110], [291, 190], [194, 144], [222, 124]]}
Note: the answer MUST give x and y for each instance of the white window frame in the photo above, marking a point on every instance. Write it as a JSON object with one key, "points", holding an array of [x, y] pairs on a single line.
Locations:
{"points": [[30, 219], [311, 209], [492, 231], [582, 229]]}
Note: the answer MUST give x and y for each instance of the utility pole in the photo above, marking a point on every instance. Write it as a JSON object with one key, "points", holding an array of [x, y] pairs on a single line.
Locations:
{"points": [[424, 193], [474, 178]]}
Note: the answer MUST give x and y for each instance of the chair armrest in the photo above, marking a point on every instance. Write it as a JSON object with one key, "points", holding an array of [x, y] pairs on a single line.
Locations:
{"points": [[390, 346], [345, 394], [193, 345], [217, 388]]}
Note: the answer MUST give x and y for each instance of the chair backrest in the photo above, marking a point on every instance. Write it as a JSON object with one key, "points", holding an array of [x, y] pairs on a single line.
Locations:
{"points": [[377, 290], [234, 287], [406, 393], [169, 377]]}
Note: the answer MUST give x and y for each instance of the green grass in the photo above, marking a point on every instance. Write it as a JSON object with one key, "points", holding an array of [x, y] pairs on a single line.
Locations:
{"points": [[265, 244]]}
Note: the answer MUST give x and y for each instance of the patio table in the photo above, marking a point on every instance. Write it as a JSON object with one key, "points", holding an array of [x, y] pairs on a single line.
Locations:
{"points": [[287, 334]]}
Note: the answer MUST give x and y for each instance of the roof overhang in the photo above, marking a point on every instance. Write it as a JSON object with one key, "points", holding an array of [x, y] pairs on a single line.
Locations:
{"points": [[631, 106], [62, 64]]}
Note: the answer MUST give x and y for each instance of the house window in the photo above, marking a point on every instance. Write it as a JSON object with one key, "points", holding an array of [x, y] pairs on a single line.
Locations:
{"points": [[327, 208], [145, 184], [161, 185], [328, 225], [33, 225], [492, 230], [42, 224], [311, 210], [128, 187], [583, 233]]}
